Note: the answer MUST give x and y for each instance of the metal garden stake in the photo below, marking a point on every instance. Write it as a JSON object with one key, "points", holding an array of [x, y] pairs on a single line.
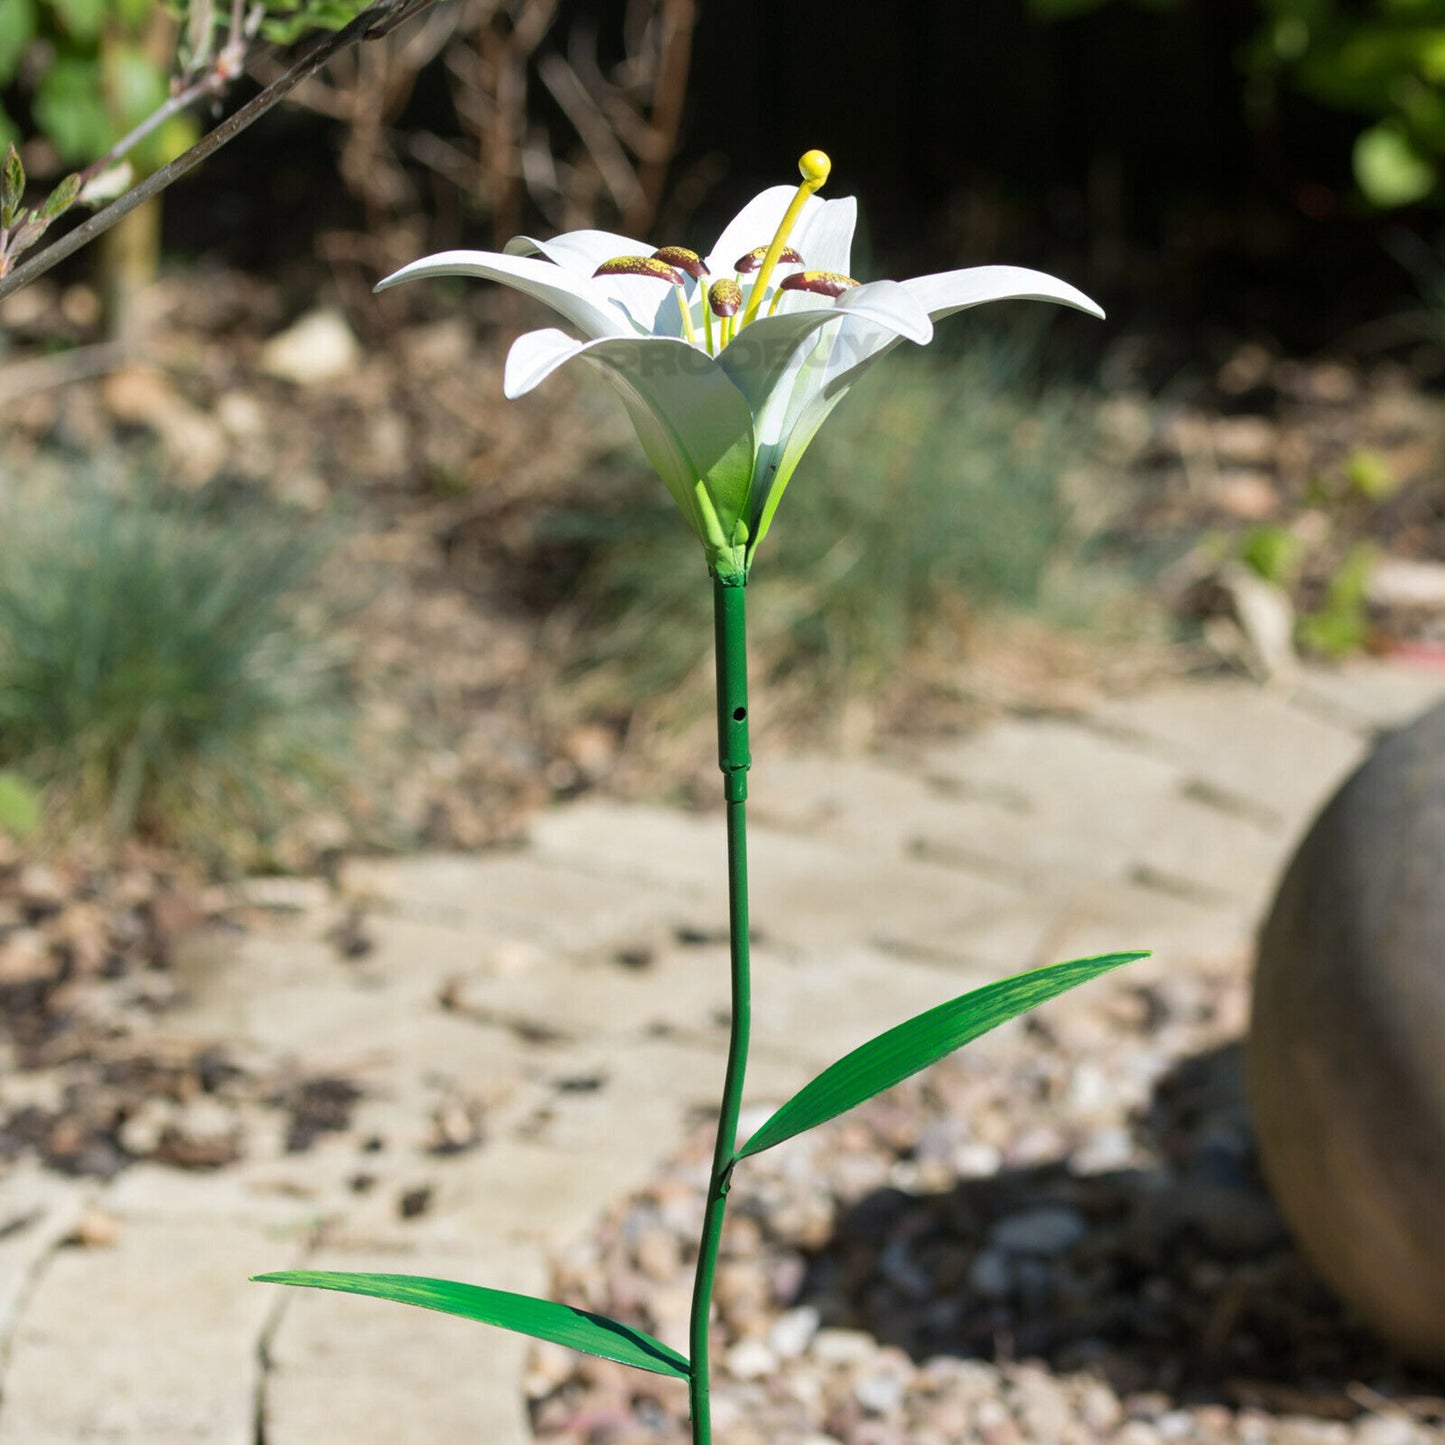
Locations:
{"points": [[728, 364]]}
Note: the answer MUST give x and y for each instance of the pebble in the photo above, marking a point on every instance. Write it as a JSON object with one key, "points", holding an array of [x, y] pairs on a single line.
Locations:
{"points": [[320, 347], [879, 1394], [1047, 1231], [990, 1274], [843, 1347], [793, 1331], [751, 1360]]}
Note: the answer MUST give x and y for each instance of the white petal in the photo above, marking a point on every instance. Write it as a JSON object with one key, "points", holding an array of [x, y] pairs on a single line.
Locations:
{"points": [[534, 357], [580, 252], [753, 226], [951, 291], [770, 361], [651, 305], [583, 302], [824, 235], [694, 424], [829, 376]]}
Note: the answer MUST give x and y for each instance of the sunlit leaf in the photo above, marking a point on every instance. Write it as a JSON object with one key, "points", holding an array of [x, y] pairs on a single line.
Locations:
{"points": [[61, 198], [912, 1046], [542, 1319], [70, 109], [1389, 170]]}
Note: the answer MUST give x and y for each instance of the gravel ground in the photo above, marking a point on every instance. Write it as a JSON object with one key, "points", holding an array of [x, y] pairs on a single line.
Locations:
{"points": [[1057, 1236]]}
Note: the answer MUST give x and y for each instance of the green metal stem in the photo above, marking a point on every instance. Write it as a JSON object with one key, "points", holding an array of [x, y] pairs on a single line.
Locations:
{"points": [[730, 640]]}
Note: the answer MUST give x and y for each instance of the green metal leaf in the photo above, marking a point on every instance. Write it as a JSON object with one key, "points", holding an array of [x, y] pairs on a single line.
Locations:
{"points": [[913, 1046], [542, 1319]]}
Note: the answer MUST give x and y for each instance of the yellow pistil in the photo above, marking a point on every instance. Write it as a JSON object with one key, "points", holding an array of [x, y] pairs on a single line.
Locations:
{"points": [[814, 167]]}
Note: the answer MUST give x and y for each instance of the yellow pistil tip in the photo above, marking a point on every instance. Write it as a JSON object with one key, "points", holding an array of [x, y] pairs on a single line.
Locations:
{"points": [[814, 167]]}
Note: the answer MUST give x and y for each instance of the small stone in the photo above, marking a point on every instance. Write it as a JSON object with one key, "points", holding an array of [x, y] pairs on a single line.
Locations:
{"points": [[750, 1360], [977, 1161], [282, 894], [990, 1275], [1392, 1430], [95, 1230], [320, 347], [793, 1331], [1248, 441], [41, 890], [1103, 1153], [1248, 496], [25, 958], [1409, 584], [1049, 1230], [142, 1132], [843, 1347], [879, 1394], [659, 1255]]}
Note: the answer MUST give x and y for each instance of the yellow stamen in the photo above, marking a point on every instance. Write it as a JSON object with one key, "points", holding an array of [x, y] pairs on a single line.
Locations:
{"points": [[688, 329], [814, 167]]}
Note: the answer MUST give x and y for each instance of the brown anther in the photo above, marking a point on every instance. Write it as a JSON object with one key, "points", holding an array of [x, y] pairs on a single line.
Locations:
{"points": [[682, 259], [725, 297], [754, 259], [820, 283], [640, 266]]}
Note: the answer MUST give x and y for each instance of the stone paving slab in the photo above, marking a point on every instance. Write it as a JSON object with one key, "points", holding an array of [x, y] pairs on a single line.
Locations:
{"points": [[352, 1369], [151, 1341], [37, 1211], [1241, 744], [1366, 696], [805, 891]]}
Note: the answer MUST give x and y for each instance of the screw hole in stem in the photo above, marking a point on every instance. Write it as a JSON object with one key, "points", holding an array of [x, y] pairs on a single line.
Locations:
{"points": [[739, 713]]}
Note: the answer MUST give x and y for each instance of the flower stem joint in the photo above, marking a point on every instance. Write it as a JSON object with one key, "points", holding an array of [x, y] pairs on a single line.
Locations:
{"points": [[729, 377]]}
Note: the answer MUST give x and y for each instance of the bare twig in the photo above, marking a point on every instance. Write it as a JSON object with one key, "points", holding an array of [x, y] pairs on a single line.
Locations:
{"points": [[371, 24], [596, 134]]}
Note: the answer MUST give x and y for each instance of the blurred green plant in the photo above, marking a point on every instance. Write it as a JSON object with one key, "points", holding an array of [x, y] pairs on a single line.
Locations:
{"points": [[1341, 624], [153, 677], [20, 811], [932, 497], [1380, 59], [1275, 553], [1383, 59], [103, 67], [111, 84]]}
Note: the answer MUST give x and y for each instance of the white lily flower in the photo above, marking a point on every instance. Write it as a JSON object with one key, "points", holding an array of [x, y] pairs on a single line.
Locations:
{"points": [[725, 412]]}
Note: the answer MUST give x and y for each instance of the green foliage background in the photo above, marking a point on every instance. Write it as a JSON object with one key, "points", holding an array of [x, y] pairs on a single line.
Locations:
{"points": [[1383, 60], [89, 71]]}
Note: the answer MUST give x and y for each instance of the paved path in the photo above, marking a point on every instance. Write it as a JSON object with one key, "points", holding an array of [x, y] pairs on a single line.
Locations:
{"points": [[576, 988]]}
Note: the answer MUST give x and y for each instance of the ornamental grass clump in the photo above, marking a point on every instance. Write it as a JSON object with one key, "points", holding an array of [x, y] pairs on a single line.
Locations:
{"points": [[154, 680], [728, 364]]}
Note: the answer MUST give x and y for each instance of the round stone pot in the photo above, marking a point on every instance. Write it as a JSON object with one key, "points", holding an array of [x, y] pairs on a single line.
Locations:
{"points": [[1346, 1052]]}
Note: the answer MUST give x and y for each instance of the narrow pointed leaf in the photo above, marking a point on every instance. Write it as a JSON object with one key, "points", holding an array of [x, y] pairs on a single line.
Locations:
{"points": [[542, 1319], [12, 188], [913, 1046]]}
